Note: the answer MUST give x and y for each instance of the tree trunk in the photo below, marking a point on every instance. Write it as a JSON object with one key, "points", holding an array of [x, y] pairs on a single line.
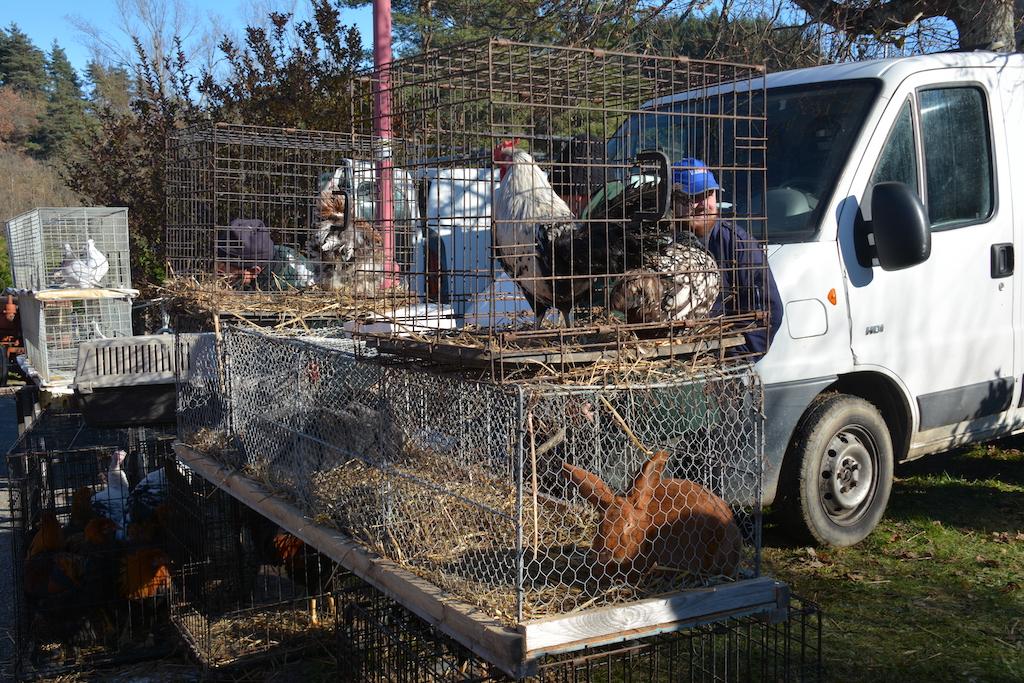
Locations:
{"points": [[985, 25]]}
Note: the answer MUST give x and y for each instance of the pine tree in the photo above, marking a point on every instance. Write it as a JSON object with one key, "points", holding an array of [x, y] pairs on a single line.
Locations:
{"points": [[112, 87], [65, 119], [22, 64]]}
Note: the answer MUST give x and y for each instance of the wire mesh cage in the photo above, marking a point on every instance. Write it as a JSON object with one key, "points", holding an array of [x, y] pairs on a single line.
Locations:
{"points": [[527, 501], [53, 326], [273, 210], [76, 247], [247, 590], [381, 642], [573, 197], [91, 572]]}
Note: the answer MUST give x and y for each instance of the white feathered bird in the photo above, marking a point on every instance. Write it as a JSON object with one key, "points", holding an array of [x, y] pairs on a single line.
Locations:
{"points": [[534, 234], [85, 271], [111, 502]]}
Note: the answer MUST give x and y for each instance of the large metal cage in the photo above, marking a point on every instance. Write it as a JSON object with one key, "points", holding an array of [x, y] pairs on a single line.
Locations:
{"points": [[54, 325], [508, 497], [247, 590], [81, 597], [259, 209], [558, 225], [40, 241]]}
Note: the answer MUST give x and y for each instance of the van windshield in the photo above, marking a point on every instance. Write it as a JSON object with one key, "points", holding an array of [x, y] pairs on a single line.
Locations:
{"points": [[810, 131]]}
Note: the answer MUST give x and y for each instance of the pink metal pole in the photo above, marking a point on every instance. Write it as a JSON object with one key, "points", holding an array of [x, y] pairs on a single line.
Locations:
{"points": [[382, 130]]}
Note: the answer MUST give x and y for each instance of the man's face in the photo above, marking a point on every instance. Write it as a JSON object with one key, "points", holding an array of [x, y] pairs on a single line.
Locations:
{"points": [[700, 211]]}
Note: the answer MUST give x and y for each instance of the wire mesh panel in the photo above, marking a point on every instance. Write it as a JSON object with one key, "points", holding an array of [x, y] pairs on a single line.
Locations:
{"points": [[53, 328], [526, 501], [70, 247], [381, 641], [274, 210], [573, 199], [248, 590], [92, 573]]}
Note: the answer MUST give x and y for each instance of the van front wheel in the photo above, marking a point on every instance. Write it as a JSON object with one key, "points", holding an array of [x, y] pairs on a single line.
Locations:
{"points": [[840, 471]]}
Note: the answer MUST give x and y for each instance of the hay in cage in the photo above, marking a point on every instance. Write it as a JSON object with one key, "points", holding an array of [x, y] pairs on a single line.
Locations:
{"points": [[460, 480]]}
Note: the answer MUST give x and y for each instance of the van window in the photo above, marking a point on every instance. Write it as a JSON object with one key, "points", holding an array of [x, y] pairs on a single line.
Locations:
{"points": [[898, 161], [957, 156]]}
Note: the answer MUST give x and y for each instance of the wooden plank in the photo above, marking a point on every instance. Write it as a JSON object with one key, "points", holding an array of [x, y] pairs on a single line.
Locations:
{"points": [[648, 617], [498, 644]]}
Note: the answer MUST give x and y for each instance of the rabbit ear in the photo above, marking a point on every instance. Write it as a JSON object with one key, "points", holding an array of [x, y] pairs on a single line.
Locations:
{"points": [[590, 485], [647, 478]]}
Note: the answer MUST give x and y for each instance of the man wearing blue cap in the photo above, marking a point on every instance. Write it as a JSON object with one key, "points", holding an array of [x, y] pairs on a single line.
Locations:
{"points": [[747, 281]]}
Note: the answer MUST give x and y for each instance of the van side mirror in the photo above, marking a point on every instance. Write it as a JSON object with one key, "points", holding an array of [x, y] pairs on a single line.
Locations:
{"points": [[900, 226]]}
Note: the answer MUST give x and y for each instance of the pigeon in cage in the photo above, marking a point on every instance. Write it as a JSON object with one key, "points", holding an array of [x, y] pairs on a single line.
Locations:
{"points": [[84, 271]]}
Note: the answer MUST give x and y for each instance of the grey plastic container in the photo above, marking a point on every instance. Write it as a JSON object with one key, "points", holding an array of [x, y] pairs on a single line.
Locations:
{"points": [[131, 380]]}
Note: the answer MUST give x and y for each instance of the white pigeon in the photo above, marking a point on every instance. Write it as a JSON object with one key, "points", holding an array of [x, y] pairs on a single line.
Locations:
{"points": [[86, 271], [112, 501], [96, 261]]}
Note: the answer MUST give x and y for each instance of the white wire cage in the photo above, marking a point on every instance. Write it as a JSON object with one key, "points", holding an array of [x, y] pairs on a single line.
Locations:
{"points": [[70, 247], [54, 326], [492, 492]]}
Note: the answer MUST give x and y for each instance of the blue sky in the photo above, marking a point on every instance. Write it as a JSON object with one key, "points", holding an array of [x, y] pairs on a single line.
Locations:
{"points": [[47, 20]]}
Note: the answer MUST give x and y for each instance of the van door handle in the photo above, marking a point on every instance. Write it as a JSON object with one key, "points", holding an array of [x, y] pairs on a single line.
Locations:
{"points": [[1002, 260]]}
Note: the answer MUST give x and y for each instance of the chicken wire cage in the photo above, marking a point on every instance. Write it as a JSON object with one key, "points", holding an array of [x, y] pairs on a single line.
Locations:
{"points": [[381, 641], [247, 590], [54, 325], [278, 210], [564, 188], [85, 594], [528, 502], [50, 247]]}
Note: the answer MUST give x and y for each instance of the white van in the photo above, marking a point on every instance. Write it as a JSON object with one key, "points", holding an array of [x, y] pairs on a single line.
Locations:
{"points": [[892, 229], [895, 201]]}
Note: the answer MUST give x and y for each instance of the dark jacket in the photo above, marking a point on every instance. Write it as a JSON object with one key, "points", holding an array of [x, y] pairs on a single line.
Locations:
{"points": [[747, 283]]}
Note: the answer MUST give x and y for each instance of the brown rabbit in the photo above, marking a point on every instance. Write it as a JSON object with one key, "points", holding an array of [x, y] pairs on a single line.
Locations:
{"points": [[670, 522]]}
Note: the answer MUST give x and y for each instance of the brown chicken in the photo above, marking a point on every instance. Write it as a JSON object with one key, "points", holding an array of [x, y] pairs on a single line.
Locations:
{"points": [[81, 509], [145, 573], [49, 537]]}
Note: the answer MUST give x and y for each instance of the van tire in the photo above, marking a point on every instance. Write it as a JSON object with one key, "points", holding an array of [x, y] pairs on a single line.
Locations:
{"points": [[830, 507]]}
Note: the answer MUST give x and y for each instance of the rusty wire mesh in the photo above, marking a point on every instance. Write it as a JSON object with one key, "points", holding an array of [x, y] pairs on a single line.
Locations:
{"points": [[462, 481], [571, 227], [247, 204]]}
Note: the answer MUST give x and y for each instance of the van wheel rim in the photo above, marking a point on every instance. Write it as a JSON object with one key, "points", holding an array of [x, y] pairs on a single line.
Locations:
{"points": [[846, 479]]}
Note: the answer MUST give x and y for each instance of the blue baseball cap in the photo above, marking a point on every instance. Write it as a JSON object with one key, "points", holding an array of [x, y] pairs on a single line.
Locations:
{"points": [[693, 177]]}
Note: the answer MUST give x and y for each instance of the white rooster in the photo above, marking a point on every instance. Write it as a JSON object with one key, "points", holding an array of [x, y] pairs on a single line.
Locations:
{"points": [[112, 501], [534, 234], [87, 270]]}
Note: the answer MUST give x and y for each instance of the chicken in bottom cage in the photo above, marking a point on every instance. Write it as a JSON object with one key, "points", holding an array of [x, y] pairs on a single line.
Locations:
{"points": [[660, 524], [91, 584], [86, 270]]}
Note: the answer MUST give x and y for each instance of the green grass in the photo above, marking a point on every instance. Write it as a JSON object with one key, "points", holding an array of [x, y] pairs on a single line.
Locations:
{"points": [[936, 593]]}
